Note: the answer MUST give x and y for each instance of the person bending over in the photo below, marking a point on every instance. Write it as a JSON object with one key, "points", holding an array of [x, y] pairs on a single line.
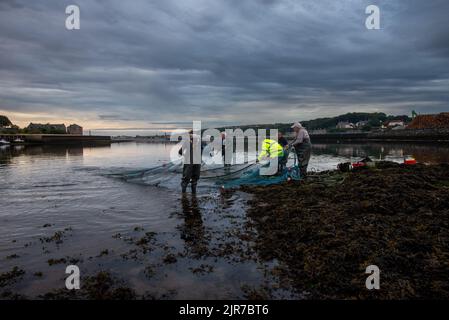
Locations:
{"points": [[303, 148]]}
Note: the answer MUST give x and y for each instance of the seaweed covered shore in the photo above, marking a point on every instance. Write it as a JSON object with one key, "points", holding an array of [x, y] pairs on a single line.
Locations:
{"points": [[325, 231]]}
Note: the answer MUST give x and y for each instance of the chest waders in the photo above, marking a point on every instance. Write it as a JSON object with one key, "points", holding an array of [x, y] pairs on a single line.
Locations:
{"points": [[303, 152], [190, 173]]}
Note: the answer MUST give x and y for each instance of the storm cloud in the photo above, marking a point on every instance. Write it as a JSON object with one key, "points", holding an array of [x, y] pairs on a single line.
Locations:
{"points": [[150, 62]]}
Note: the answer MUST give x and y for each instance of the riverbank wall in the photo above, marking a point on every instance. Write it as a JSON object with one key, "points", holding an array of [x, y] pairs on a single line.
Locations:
{"points": [[405, 135]]}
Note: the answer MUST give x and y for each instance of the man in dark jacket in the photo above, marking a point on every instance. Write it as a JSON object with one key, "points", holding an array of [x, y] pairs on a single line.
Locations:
{"points": [[282, 140], [191, 170], [283, 160]]}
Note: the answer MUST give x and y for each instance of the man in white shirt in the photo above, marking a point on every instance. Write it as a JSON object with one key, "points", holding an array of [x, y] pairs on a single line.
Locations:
{"points": [[303, 148]]}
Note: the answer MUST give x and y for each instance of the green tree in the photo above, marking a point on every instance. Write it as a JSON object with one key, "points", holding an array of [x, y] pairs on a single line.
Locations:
{"points": [[4, 121]]}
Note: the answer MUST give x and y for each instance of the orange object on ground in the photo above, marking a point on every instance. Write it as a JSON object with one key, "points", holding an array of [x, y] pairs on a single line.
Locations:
{"points": [[409, 161]]}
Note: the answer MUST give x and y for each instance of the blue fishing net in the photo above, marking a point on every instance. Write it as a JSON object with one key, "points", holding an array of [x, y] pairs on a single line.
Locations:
{"points": [[253, 177]]}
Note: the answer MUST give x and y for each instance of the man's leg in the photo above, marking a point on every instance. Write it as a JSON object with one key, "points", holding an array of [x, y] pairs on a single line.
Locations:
{"points": [[282, 163], [186, 176], [223, 154], [196, 171], [303, 171], [303, 161]]}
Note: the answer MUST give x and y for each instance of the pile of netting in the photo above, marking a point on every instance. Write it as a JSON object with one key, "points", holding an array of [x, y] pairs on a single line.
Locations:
{"points": [[253, 176], [169, 175]]}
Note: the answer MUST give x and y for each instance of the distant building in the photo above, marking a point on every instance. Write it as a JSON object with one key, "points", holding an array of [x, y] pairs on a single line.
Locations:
{"points": [[361, 124], [395, 123], [75, 129], [345, 125], [46, 128]]}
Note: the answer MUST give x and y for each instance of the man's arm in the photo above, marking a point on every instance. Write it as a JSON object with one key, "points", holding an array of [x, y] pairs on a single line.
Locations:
{"points": [[184, 146], [299, 139]]}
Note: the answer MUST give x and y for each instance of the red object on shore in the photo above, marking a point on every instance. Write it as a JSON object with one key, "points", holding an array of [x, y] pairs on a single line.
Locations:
{"points": [[358, 164], [409, 161]]}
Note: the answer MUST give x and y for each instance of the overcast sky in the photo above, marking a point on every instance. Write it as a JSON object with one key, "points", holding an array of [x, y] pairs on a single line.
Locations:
{"points": [[151, 63]]}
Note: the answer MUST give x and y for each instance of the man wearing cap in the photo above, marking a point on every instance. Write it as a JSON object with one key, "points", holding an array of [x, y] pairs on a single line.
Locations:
{"points": [[303, 148]]}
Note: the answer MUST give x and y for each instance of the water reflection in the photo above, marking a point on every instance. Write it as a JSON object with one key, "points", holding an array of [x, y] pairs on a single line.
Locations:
{"points": [[75, 152], [7, 153], [192, 230]]}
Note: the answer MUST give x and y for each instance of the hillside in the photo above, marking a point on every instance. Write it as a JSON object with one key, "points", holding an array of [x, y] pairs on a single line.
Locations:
{"points": [[374, 119]]}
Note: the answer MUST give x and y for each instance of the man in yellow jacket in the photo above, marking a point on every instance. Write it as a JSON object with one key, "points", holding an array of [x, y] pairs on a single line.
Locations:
{"points": [[272, 149]]}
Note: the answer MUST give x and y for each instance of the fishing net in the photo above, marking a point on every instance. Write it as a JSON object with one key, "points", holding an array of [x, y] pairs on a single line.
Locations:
{"points": [[253, 177], [166, 175], [169, 175]]}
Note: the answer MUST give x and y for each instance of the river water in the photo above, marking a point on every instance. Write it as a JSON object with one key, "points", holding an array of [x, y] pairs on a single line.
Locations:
{"points": [[62, 204]]}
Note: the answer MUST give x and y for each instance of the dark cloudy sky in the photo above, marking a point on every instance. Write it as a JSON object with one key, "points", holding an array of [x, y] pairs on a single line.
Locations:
{"points": [[146, 63]]}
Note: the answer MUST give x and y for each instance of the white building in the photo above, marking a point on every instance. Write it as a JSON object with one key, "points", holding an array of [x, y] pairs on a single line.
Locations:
{"points": [[361, 124], [395, 123], [345, 125]]}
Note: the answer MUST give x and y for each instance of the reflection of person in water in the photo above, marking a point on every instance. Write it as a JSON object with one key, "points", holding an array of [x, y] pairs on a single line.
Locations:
{"points": [[192, 231]]}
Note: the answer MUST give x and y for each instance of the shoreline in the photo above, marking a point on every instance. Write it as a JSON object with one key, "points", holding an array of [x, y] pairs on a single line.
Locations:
{"points": [[404, 135]]}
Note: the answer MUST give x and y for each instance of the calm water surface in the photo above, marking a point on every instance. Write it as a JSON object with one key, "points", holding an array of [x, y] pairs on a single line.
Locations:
{"points": [[47, 189]]}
